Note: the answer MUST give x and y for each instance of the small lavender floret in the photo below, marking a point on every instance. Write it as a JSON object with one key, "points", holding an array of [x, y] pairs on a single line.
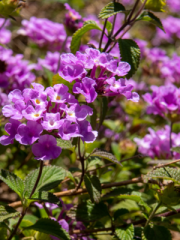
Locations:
{"points": [[46, 148], [86, 88], [68, 130], [58, 93], [51, 121], [86, 131], [28, 134]]}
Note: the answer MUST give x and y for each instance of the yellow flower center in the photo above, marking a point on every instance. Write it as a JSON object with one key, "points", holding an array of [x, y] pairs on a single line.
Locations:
{"points": [[37, 101], [58, 98]]}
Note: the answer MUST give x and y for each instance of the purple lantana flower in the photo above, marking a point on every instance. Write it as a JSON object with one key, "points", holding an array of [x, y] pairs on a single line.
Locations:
{"points": [[68, 130], [46, 148], [51, 121], [14, 111], [58, 93], [37, 95], [77, 113], [157, 144], [117, 87], [31, 113], [119, 68], [44, 32], [28, 134], [163, 100], [71, 68], [11, 129], [85, 129], [86, 88]]}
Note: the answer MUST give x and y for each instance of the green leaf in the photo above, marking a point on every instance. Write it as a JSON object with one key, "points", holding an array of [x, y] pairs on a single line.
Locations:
{"points": [[108, 26], [176, 149], [105, 155], [103, 109], [3, 231], [125, 233], [46, 197], [117, 191], [26, 223], [49, 75], [65, 144], [88, 211], [168, 173], [42, 236], [94, 161], [130, 52], [76, 39], [156, 233], [69, 175], [93, 187], [111, 9], [155, 5], [13, 181], [137, 199], [50, 178], [8, 8], [120, 212], [57, 79], [7, 212], [150, 17], [51, 227]]}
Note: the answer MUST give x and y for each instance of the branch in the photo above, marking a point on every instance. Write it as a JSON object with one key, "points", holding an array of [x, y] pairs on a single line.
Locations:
{"points": [[166, 164], [138, 222], [81, 159], [72, 192]]}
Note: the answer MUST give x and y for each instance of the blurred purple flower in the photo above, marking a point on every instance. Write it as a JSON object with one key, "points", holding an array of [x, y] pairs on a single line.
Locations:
{"points": [[157, 144], [163, 100], [44, 32], [11, 129]]}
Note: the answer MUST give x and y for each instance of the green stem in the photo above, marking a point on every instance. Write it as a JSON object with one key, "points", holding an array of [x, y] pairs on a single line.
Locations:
{"points": [[38, 178], [152, 214], [103, 31], [81, 159]]}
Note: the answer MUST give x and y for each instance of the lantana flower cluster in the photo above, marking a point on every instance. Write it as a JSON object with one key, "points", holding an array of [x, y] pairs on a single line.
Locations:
{"points": [[14, 73], [164, 100], [44, 115], [94, 73], [44, 33], [158, 145]]}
